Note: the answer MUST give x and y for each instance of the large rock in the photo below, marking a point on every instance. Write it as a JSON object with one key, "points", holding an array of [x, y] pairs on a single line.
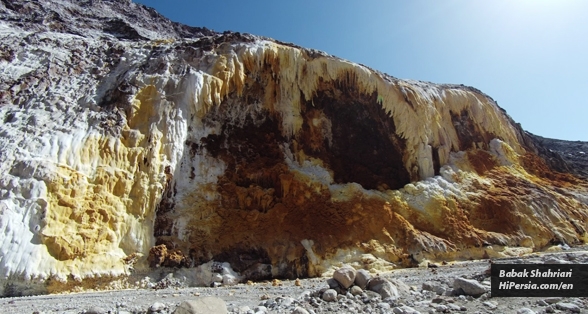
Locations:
{"points": [[345, 276], [362, 277], [568, 307], [204, 305], [469, 286], [402, 288], [383, 287], [436, 287], [330, 295]]}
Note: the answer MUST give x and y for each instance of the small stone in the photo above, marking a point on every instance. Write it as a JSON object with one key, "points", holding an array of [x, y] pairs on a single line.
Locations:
{"points": [[260, 308], [156, 307], [570, 307], [271, 304], [383, 305], [438, 300], [453, 292], [230, 280], [297, 282], [356, 290], [217, 278], [454, 307], [204, 305], [304, 295], [286, 302], [405, 310], [96, 310], [525, 310], [491, 304], [552, 300], [299, 310], [333, 284], [469, 287], [549, 309], [345, 276], [485, 296], [330, 295], [362, 277], [542, 303]]}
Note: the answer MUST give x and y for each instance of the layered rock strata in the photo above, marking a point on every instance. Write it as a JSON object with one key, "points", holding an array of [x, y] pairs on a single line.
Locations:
{"points": [[129, 141]]}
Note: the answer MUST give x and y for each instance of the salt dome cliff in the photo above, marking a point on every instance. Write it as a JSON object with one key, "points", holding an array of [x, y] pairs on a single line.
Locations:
{"points": [[130, 143]]}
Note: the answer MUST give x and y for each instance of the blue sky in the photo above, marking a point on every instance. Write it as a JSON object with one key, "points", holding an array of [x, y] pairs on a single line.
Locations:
{"points": [[531, 56]]}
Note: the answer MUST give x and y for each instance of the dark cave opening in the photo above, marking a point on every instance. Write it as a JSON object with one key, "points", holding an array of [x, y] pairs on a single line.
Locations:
{"points": [[364, 147]]}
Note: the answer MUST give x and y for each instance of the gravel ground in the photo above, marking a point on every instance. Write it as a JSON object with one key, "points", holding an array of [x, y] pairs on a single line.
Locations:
{"points": [[304, 296]]}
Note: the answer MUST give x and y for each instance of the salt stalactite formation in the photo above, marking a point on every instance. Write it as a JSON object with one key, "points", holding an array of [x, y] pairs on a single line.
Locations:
{"points": [[118, 154]]}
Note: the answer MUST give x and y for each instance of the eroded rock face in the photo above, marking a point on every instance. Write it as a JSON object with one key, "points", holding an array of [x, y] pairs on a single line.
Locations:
{"points": [[141, 142]]}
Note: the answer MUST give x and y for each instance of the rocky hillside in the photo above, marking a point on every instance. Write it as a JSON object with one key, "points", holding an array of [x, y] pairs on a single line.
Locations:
{"points": [[130, 143], [565, 156]]}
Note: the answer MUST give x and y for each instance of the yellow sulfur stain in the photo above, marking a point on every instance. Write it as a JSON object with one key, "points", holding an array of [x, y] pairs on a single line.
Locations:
{"points": [[105, 215], [142, 109]]}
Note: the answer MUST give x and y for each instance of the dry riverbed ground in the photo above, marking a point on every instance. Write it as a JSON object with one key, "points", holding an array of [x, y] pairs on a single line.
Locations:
{"points": [[304, 296]]}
